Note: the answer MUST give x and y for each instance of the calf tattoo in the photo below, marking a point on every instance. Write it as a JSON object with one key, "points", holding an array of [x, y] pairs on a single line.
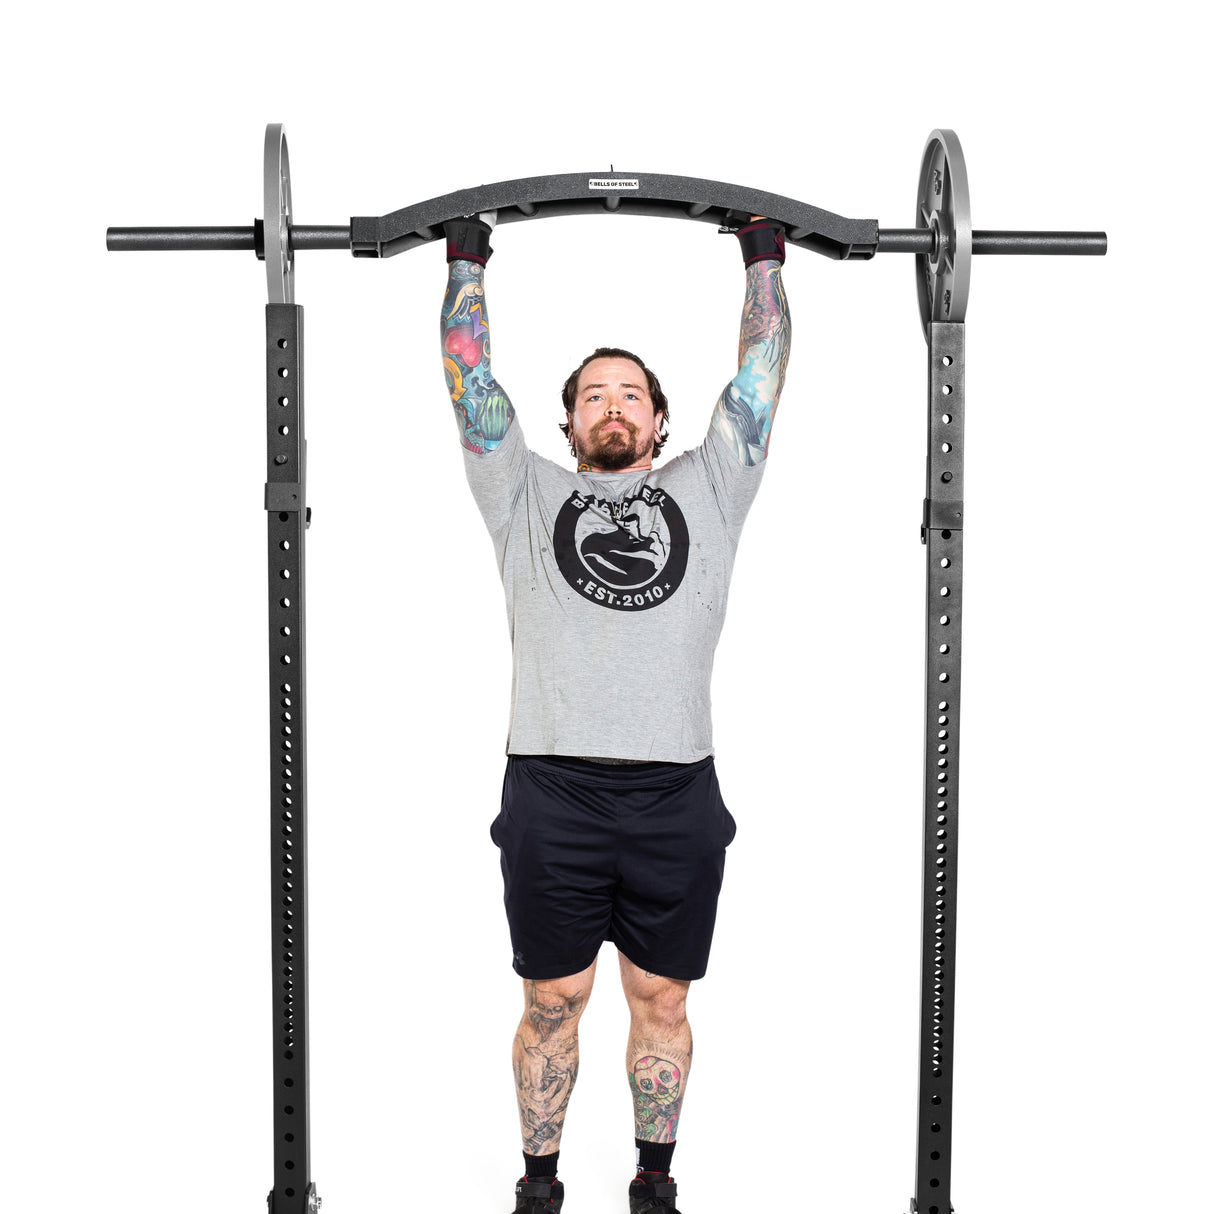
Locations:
{"points": [[546, 1066], [657, 1077]]}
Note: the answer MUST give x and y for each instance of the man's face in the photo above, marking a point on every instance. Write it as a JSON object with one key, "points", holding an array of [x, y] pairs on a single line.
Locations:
{"points": [[613, 422]]}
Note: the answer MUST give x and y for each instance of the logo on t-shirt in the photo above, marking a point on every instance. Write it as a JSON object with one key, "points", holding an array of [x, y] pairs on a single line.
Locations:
{"points": [[628, 555]]}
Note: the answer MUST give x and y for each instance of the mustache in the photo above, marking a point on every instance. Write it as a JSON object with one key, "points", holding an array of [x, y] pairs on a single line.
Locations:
{"points": [[623, 421]]}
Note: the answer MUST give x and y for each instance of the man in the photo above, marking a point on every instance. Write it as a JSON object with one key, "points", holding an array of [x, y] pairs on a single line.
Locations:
{"points": [[612, 825]]}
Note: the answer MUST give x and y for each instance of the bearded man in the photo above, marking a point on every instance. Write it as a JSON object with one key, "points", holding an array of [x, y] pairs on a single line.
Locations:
{"points": [[612, 825]]}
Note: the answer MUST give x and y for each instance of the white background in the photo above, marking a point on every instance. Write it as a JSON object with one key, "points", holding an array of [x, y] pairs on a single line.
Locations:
{"points": [[136, 962]]}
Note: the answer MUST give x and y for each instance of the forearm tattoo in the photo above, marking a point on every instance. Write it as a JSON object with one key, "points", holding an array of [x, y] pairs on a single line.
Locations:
{"points": [[482, 409], [657, 1074], [545, 1066], [747, 407]]}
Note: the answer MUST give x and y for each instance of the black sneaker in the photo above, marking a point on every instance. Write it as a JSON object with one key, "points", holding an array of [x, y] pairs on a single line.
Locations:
{"points": [[538, 1196], [649, 1192]]}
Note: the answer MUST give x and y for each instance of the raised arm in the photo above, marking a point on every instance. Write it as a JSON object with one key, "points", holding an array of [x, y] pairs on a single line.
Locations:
{"points": [[747, 407], [483, 411]]}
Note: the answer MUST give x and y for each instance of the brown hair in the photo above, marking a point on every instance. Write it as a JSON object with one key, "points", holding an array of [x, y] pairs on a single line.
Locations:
{"points": [[569, 394]]}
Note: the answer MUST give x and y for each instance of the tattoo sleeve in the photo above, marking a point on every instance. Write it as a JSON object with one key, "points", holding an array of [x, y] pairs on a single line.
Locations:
{"points": [[747, 407], [482, 410]]}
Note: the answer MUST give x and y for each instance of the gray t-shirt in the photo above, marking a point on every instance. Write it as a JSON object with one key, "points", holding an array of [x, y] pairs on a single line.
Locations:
{"points": [[616, 585]]}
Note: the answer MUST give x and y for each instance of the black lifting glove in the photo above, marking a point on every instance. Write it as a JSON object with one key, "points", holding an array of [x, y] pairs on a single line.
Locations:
{"points": [[761, 241], [468, 240]]}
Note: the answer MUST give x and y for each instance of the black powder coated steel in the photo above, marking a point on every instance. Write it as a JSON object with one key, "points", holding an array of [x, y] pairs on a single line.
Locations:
{"points": [[659, 194], [287, 520], [943, 518]]}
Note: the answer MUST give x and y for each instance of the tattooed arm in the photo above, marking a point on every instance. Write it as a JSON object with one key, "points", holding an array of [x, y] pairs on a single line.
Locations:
{"points": [[747, 407], [482, 410]]}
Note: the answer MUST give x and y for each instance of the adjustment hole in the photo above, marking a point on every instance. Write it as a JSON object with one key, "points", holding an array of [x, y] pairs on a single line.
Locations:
{"points": [[944, 649], [945, 447], [287, 430], [948, 360], [946, 418], [284, 373], [943, 705], [944, 619], [945, 563], [282, 343], [943, 591], [284, 401]]}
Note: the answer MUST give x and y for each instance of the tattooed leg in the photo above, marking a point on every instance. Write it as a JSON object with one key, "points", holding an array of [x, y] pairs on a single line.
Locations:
{"points": [[546, 1056], [659, 1050]]}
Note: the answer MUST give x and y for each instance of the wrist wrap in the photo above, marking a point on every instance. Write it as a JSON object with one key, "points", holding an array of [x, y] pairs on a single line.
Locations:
{"points": [[468, 240], [762, 241]]}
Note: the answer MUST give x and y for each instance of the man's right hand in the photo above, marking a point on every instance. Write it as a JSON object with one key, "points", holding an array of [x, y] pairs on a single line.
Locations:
{"points": [[468, 239]]}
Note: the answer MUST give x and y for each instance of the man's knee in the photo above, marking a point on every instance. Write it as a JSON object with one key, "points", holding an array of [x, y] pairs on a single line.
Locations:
{"points": [[550, 1003], [653, 998]]}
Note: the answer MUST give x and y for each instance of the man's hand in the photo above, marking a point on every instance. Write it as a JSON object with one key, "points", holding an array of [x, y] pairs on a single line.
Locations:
{"points": [[762, 240]]}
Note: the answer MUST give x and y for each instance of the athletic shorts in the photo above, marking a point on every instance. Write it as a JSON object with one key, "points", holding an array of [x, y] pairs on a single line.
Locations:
{"points": [[590, 852]]}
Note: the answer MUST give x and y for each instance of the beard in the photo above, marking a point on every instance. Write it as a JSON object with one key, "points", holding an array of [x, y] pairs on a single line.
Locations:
{"points": [[612, 450]]}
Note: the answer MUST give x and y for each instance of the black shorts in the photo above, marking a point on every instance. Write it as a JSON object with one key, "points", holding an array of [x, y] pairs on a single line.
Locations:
{"points": [[590, 852]]}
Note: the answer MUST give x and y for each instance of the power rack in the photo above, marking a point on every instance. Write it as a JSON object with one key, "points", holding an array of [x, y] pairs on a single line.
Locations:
{"points": [[943, 244]]}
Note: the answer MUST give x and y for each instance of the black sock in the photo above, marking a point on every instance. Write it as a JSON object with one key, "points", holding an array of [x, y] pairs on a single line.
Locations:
{"points": [[537, 1167], [654, 1156]]}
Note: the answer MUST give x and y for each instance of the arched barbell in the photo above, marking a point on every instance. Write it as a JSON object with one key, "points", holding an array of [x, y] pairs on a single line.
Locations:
{"points": [[942, 239]]}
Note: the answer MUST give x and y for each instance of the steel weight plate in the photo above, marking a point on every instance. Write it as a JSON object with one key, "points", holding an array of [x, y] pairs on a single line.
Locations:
{"points": [[943, 276], [280, 261]]}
